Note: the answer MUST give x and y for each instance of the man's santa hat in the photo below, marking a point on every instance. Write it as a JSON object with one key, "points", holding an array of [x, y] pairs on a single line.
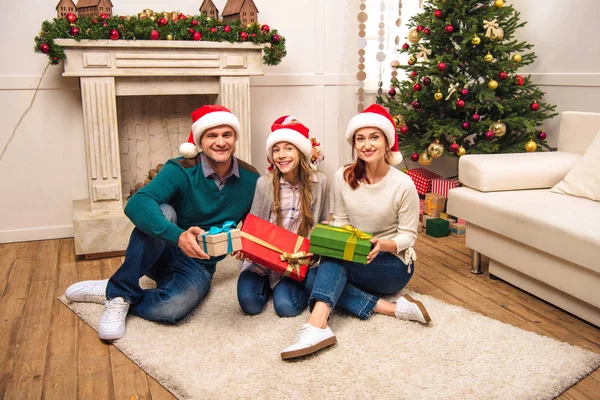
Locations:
{"points": [[204, 118], [375, 116], [289, 129]]}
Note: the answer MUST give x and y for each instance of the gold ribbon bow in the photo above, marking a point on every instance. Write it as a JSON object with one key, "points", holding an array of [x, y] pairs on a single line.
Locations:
{"points": [[146, 13], [294, 260], [429, 206], [451, 90], [492, 28], [171, 16], [355, 234], [424, 52]]}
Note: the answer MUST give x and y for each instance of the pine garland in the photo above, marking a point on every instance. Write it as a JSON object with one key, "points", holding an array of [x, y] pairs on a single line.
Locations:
{"points": [[134, 28]]}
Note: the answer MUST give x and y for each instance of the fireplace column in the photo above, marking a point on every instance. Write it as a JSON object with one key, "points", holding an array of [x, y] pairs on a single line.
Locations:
{"points": [[235, 95]]}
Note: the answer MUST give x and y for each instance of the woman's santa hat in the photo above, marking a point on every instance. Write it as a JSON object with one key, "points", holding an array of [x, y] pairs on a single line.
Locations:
{"points": [[375, 116], [289, 129], [204, 118]]}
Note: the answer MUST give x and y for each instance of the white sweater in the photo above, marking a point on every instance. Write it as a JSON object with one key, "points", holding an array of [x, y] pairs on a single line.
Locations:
{"points": [[389, 209]]}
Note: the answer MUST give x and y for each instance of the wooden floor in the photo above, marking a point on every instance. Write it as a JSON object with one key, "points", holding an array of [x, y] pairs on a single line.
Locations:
{"points": [[47, 352]]}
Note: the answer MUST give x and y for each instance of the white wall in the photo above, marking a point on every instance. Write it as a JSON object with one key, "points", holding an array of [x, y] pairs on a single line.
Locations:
{"points": [[43, 169]]}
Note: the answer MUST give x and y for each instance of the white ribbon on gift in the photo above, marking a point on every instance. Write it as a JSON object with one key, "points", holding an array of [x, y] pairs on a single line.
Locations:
{"points": [[451, 90], [424, 52], [492, 28]]}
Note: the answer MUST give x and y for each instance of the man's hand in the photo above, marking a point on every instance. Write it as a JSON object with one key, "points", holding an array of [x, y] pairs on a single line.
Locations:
{"points": [[189, 244]]}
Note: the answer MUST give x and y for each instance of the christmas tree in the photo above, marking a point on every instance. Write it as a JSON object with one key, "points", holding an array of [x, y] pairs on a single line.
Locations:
{"points": [[462, 94]]}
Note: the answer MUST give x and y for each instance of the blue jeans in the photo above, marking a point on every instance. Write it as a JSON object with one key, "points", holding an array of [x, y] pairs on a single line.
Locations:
{"points": [[352, 285], [181, 281], [290, 297]]}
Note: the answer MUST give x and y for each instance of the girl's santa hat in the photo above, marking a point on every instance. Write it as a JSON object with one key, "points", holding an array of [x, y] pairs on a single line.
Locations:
{"points": [[204, 118], [289, 129], [375, 116]]}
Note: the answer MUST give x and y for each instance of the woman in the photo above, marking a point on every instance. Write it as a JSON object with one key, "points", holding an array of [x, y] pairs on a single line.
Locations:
{"points": [[293, 196], [374, 197]]}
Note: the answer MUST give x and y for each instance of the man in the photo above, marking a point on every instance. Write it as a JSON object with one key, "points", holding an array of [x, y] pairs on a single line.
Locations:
{"points": [[187, 197]]}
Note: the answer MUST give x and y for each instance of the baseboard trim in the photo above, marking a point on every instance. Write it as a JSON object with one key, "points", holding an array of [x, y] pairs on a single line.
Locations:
{"points": [[37, 233]]}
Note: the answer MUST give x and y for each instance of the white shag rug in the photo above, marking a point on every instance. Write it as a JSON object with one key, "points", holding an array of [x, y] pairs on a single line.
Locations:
{"points": [[219, 352]]}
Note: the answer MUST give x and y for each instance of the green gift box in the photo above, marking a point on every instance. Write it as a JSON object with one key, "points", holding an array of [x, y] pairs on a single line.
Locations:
{"points": [[437, 227], [345, 243]]}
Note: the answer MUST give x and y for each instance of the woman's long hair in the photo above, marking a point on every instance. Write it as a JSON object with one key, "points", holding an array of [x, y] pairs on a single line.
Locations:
{"points": [[354, 174], [304, 174]]}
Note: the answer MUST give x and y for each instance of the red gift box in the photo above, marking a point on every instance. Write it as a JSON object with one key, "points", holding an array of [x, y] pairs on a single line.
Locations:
{"points": [[275, 248], [442, 186], [422, 178]]}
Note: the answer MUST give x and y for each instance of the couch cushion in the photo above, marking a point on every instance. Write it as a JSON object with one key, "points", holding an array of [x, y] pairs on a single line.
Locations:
{"points": [[565, 226], [584, 179]]}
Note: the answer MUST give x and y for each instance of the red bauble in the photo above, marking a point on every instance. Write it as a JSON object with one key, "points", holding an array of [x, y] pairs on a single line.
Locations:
{"points": [[253, 35], [416, 105], [244, 36], [520, 80], [191, 30], [44, 48], [465, 125], [197, 36], [103, 17], [502, 75], [104, 23], [413, 74], [404, 129], [489, 135], [74, 31], [405, 46], [464, 92], [154, 34], [438, 13], [54, 58], [427, 31], [420, 28], [114, 34], [454, 147], [441, 66], [417, 87], [71, 18], [182, 17], [534, 106], [227, 28], [449, 29], [94, 21], [275, 38], [460, 103], [475, 117], [194, 22], [162, 21], [426, 81], [392, 92], [265, 28], [414, 157], [213, 29], [542, 135]]}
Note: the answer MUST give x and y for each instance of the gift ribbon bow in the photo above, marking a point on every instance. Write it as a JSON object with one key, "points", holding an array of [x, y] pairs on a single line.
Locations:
{"points": [[294, 259], [492, 28], [424, 52], [355, 234], [451, 90], [429, 206], [214, 230]]}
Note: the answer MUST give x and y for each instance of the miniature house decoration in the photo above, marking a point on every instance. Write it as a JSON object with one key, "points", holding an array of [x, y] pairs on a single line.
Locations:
{"points": [[244, 10], [92, 8], [209, 9], [65, 7]]}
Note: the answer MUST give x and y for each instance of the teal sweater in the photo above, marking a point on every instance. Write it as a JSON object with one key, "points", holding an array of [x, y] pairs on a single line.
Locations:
{"points": [[195, 198]]}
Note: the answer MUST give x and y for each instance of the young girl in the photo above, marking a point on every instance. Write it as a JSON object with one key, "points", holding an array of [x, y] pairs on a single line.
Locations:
{"points": [[374, 197], [294, 196]]}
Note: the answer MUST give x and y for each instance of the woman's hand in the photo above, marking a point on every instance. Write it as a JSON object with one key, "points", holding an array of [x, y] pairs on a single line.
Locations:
{"points": [[326, 222], [375, 251], [188, 243]]}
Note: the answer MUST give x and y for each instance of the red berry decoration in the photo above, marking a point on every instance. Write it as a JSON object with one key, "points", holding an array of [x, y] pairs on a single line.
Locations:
{"points": [[265, 29], [244, 36], [441, 66], [392, 92], [520, 80], [197, 36], [194, 22], [275, 38], [162, 21], [475, 117], [54, 58], [489, 135], [416, 105], [44, 48], [405, 46], [460, 103], [414, 157], [534, 106], [502, 75], [114, 34], [417, 87], [449, 29], [420, 28], [103, 17], [154, 34], [71, 18], [437, 13], [74, 31], [227, 28], [427, 31], [465, 125], [404, 129], [454, 147], [213, 29], [426, 81], [542, 135], [464, 92]]}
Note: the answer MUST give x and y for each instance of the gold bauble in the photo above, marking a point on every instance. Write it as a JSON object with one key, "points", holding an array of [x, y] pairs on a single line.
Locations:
{"points": [[476, 40], [488, 57], [516, 57], [438, 96], [498, 128], [412, 60], [413, 36], [461, 151], [396, 121], [169, 37], [498, 3], [425, 159], [530, 146], [497, 35], [401, 120], [493, 84], [436, 149]]}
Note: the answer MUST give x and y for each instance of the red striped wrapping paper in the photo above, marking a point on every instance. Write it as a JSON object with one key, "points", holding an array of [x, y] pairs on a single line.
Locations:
{"points": [[442, 186], [422, 178]]}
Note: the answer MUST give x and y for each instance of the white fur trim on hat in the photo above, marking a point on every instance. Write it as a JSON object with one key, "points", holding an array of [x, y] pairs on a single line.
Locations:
{"points": [[367, 119], [213, 119], [289, 135]]}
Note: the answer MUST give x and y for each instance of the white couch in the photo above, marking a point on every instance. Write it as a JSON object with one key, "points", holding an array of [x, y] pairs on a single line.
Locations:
{"points": [[545, 243]]}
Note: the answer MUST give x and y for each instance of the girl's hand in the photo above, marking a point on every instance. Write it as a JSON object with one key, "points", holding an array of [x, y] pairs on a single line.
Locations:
{"points": [[375, 251], [239, 255]]}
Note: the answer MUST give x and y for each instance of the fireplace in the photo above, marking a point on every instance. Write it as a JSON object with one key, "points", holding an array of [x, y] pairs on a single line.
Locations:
{"points": [[217, 72]]}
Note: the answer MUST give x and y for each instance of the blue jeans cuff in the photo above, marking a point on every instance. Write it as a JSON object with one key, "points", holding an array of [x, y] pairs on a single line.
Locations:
{"points": [[366, 309], [316, 296]]}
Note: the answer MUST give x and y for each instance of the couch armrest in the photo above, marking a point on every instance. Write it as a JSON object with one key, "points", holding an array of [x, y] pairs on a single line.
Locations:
{"points": [[515, 171]]}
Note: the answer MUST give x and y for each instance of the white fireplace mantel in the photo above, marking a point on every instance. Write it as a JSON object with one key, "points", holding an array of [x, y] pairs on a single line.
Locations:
{"points": [[107, 69]]}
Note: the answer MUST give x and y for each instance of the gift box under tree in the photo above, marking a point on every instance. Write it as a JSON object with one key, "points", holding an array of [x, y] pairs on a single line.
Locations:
{"points": [[442, 186], [422, 178], [275, 248], [434, 204], [437, 227], [345, 242], [218, 241]]}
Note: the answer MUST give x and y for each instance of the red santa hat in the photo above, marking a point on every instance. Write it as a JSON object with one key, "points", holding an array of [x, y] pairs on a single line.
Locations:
{"points": [[375, 116], [289, 129], [204, 118]]}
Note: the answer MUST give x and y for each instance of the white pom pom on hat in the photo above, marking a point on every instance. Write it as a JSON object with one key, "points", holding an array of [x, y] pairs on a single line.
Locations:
{"points": [[204, 118]]}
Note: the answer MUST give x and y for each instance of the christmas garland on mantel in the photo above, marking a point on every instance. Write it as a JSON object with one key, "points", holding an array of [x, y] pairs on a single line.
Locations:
{"points": [[157, 26]]}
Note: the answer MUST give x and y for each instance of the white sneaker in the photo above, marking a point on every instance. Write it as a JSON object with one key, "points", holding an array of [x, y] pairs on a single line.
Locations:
{"points": [[309, 340], [87, 291], [112, 323], [410, 309]]}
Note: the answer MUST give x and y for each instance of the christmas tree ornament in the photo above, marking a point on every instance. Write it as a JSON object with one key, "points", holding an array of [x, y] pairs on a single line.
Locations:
{"points": [[464, 92], [498, 128], [435, 149], [169, 37], [441, 66], [265, 28], [191, 31], [197, 36], [475, 40], [404, 129], [413, 74], [114, 34], [425, 159], [416, 105], [74, 31], [396, 121], [461, 151], [492, 84], [44, 48], [253, 35], [275, 39], [520, 80], [213, 29], [412, 60], [405, 46], [453, 147], [103, 17], [460, 103], [449, 28], [162, 22], [392, 92], [72, 18], [401, 120], [497, 35], [243, 36], [420, 28], [182, 17], [426, 81], [542, 135], [488, 58], [498, 3], [194, 22], [534, 106], [413, 36], [423, 53], [227, 29], [489, 135], [502, 75], [530, 146], [154, 34], [492, 29], [414, 157], [438, 96], [466, 125], [516, 58], [417, 87], [475, 117], [438, 13], [427, 31]]}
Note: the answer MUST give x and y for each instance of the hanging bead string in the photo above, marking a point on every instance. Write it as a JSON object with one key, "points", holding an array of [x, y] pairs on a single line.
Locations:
{"points": [[362, 44]]}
